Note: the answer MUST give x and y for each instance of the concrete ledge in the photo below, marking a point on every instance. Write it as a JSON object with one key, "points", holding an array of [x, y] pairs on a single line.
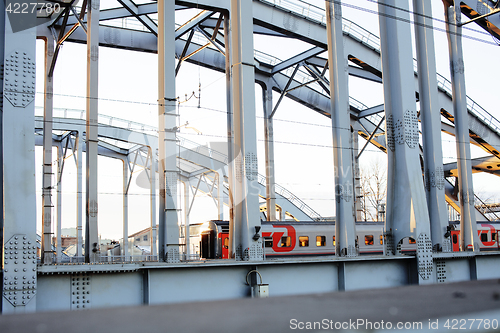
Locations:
{"points": [[407, 305]]}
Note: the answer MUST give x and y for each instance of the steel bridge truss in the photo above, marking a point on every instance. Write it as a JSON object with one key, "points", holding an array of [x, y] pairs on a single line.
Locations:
{"points": [[316, 78]]}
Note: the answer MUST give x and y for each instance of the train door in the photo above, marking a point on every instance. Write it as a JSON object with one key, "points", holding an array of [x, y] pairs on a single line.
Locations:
{"points": [[455, 240], [207, 246], [224, 241]]}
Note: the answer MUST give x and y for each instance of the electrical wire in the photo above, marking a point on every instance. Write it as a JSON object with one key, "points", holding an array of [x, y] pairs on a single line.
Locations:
{"points": [[415, 23], [260, 140]]}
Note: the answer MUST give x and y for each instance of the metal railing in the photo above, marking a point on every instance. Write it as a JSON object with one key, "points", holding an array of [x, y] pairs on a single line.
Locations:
{"points": [[318, 15], [350, 28], [204, 150], [474, 108], [105, 259], [293, 199], [303, 77], [373, 41], [102, 119]]}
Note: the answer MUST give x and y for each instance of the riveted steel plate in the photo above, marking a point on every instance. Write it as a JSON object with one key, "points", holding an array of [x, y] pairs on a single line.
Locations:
{"points": [[251, 166], [411, 129], [80, 291], [19, 78], [19, 280], [424, 256]]}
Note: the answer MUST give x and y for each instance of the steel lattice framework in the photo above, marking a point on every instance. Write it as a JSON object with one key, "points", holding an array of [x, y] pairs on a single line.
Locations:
{"points": [[220, 37]]}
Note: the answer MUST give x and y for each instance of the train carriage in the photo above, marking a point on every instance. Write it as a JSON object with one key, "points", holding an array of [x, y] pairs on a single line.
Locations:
{"points": [[289, 239]]}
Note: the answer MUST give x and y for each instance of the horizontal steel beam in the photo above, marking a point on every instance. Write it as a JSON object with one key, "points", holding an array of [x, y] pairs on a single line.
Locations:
{"points": [[371, 111], [297, 59], [143, 18]]}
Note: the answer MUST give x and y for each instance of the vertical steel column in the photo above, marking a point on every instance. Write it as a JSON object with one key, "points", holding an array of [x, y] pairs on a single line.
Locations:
{"points": [[60, 162], [167, 112], [220, 195], [47, 255], [230, 137], [246, 188], [92, 246], [267, 95], [18, 54], [2, 203], [186, 219], [468, 227], [407, 214], [430, 114], [152, 189], [79, 194], [345, 231], [356, 171], [124, 246]]}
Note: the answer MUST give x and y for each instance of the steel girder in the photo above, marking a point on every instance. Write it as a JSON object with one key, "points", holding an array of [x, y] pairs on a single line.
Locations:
{"points": [[469, 240], [17, 55], [304, 95], [195, 157], [367, 53]]}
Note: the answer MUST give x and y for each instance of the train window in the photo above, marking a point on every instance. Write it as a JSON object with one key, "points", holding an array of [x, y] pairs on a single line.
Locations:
{"points": [[303, 241], [333, 240], [285, 241], [226, 243], [268, 242], [320, 240], [494, 236], [381, 240], [455, 239], [411, 240], [484, 237], [368, 239]]}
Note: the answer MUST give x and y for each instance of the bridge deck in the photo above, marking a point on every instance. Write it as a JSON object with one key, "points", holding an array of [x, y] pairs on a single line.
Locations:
{"points": [[410, 305]]}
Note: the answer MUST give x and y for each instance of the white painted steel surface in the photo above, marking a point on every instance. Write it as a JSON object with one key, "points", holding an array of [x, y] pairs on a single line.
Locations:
{"points": [[18, 142], [468, 237], [406, 211], [267, 95], [168, 233], [142, 287], [430, 115], [47, 209], [92, 246], [341, 132], [246, 200]]}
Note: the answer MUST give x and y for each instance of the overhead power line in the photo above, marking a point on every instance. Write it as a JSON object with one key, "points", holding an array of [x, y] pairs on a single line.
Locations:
{"points": [[374, 12]]}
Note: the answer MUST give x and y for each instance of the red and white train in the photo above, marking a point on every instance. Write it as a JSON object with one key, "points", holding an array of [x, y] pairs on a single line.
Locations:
{"points": [[286, 239]]}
